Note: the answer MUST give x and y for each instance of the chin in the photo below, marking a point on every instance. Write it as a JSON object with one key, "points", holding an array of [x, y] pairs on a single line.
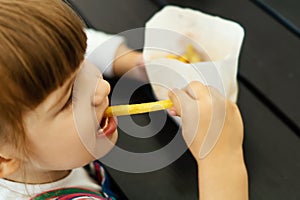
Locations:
{"points": [[114, 137], [106, 146]]}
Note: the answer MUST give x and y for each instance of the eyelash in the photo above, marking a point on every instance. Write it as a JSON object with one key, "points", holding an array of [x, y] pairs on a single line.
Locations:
{"points": [[69, 101]]}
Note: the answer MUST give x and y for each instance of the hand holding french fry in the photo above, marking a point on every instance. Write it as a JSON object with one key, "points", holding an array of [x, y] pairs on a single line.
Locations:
{"points": [[222, 171]]}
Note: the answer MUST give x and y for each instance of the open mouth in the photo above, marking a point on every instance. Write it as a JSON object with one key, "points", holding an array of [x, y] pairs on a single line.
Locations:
{"points": [[103, 124], [107, 126]]}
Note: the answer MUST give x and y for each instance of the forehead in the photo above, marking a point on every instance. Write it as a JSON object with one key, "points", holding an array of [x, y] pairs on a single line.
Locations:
{"points": [[56, 98]]}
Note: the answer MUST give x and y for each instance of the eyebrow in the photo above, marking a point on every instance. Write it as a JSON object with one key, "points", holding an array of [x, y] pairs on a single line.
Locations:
{"points": [[64, 93]]}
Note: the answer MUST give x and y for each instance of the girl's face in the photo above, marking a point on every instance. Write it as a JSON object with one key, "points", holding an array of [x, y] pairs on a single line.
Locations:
{"points": [[64, 134]]}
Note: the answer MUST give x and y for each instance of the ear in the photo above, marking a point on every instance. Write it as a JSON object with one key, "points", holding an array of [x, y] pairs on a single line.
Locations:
{"points": [[8, 166]]}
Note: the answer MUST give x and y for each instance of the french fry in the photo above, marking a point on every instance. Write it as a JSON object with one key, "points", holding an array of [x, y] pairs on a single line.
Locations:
{"points": [[190, 55], [131, 109]]}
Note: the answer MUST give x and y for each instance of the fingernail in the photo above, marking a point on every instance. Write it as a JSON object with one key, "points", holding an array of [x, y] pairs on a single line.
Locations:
{"points": [[172, 112]]}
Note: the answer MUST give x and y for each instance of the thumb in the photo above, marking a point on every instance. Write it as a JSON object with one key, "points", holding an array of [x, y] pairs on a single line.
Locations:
{"points": [[180, 100], [187, 108]]}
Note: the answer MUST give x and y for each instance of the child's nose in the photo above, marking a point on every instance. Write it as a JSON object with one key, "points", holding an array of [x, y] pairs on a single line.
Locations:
{"points": [[101, 92]]}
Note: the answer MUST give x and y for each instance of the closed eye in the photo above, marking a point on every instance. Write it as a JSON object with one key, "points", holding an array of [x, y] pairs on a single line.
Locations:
{"points": [[68, 102]]}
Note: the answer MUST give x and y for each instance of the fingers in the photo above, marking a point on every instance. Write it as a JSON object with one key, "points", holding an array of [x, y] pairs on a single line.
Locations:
{"points": [[196, 90], [206, 96], [179, 98]]}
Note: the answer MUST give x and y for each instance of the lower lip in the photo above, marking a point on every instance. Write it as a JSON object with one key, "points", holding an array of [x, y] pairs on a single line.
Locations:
{"points": [[111, 126]]}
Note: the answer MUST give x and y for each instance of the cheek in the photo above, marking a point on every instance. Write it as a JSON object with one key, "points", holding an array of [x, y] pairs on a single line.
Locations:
{"points": [[57, 146]]}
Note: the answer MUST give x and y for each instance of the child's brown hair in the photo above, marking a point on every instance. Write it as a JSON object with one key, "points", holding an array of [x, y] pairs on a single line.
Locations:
{"points": [[42, 44]]}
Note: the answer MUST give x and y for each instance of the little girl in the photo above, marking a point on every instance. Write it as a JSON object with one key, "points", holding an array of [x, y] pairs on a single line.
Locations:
{"points": [[42, 148]]}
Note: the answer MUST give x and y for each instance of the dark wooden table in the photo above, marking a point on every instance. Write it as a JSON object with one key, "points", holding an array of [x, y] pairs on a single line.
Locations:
{"points": [[269, 82]]}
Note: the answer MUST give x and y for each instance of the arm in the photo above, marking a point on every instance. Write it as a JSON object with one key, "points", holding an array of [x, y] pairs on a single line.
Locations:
{"points": [[222, 174], [221, 170], [110, 53]]}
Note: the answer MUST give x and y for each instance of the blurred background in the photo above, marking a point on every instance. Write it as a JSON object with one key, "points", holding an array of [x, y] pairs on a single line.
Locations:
{"points": [[269, 82]]}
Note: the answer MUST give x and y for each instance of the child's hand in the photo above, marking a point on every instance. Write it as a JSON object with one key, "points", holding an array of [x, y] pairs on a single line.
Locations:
{"points": [[204, 111], [127, 59]]}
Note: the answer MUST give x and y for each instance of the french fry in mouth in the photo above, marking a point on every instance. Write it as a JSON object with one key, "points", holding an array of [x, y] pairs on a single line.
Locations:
{"points": [[137, 108]]}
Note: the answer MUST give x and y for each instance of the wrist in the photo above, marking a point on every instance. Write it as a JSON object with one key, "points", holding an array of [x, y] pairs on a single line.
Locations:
{"points": [[224, 173], [222, 157]]}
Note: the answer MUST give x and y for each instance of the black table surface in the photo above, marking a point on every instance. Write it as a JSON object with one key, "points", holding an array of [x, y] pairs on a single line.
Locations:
{"points": [[269, 71], [286, 13]]}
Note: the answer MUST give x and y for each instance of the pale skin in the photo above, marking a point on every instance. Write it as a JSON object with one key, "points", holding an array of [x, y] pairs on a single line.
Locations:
{"points": [[222, 173], [126, 59], [52, 136], [53, 139], [50, 162]]}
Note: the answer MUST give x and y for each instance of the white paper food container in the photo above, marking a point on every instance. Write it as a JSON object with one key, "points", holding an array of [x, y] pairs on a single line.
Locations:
{"points": [[218, 41]]}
